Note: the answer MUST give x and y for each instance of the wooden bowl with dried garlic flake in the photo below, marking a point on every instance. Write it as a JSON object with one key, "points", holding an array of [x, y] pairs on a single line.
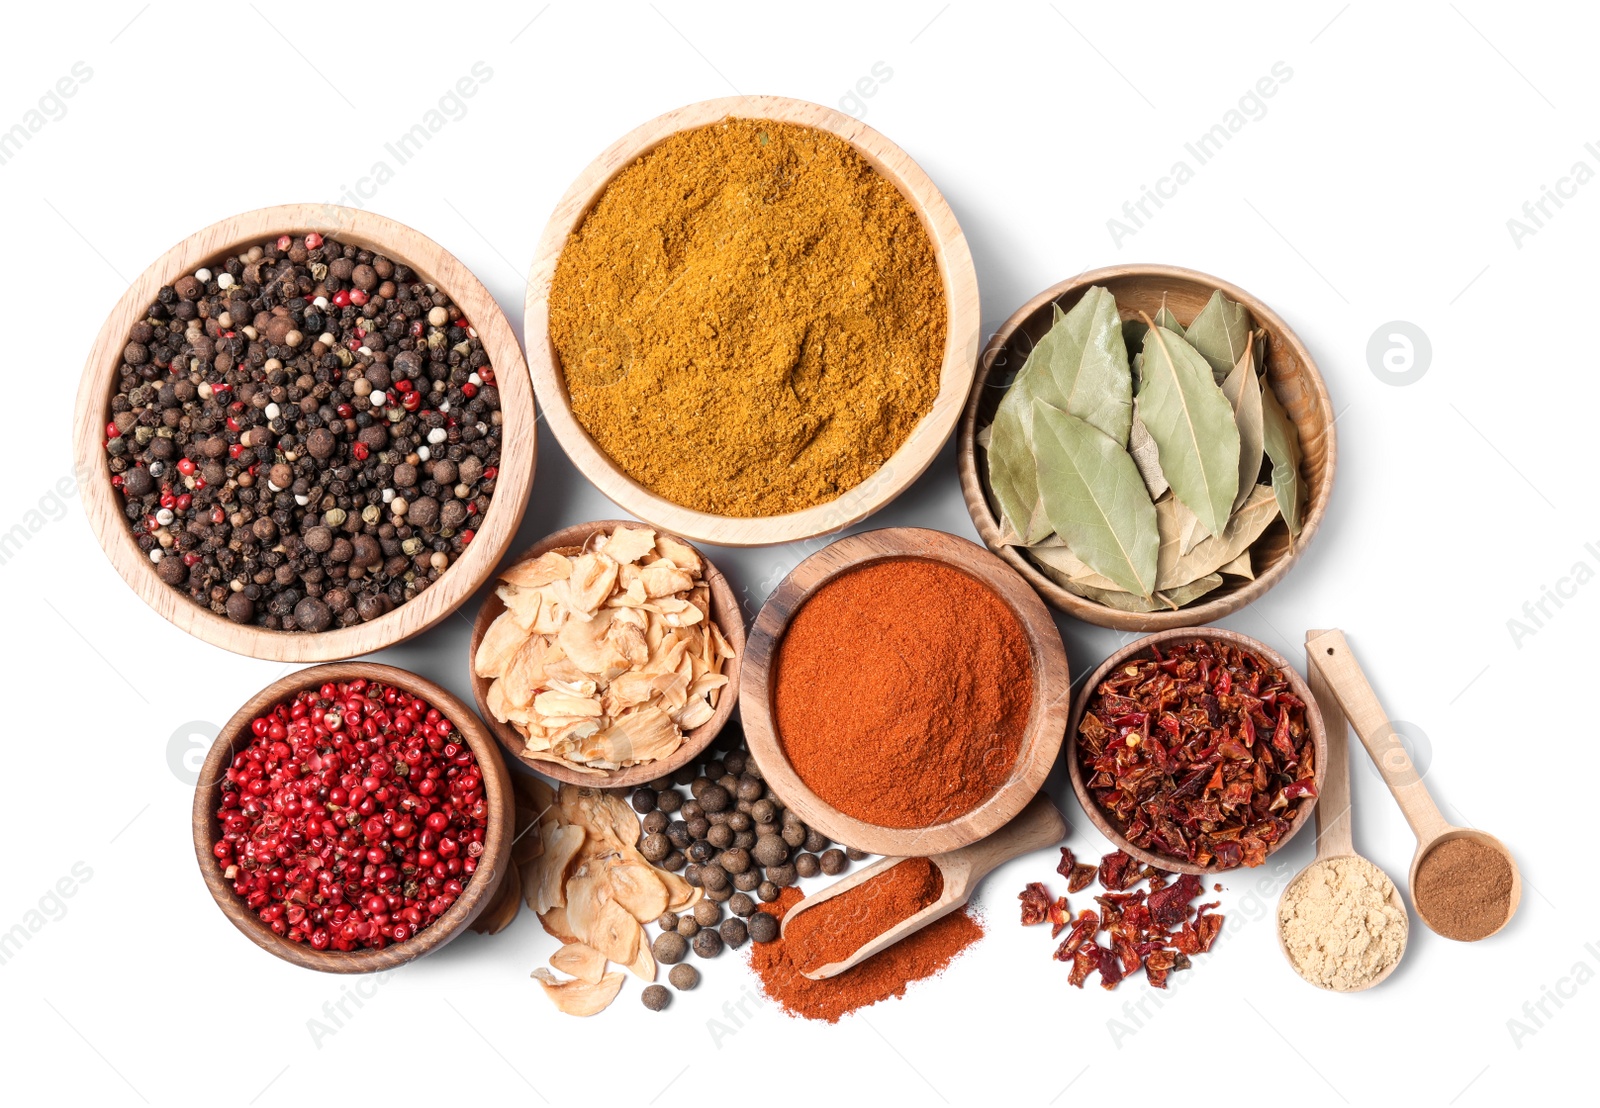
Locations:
{"points": [[627, 684], [1289, 370]]}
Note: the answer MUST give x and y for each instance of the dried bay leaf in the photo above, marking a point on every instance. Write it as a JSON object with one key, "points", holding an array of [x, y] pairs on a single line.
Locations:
{"points": [[1079, 366], [1282, 443], [1013, 473], [1244, 528], [1061, 559], [1147, 456], [1165, 318], [1087, 363], [1133, 332], [1240, 567], [1193, 425], [1220, 333], [1243, 390], [1168, 601], [1096, 499]]}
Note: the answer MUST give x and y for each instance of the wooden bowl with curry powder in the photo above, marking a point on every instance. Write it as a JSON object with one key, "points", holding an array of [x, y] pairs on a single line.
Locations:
{"points": [[665, 244]]}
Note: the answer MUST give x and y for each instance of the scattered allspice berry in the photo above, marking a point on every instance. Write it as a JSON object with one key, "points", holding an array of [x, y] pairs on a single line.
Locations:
{"points": [[708, 943], [763, 928], [656, 997], [670, 948], [684, 977], [734, 932]]}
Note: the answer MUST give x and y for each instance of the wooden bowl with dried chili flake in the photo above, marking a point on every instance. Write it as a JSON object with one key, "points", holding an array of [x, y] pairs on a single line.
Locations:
{"points": [[670, 743], [1197, 750]]}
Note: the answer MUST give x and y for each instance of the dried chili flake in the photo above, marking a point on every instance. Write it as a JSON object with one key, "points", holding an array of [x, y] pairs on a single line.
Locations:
{"points": [[1059, 916], [1157, 928], [1202, 753], [1067, 864], [1117, 872], [1035, 904], [1084, 962], [1082, 931]]}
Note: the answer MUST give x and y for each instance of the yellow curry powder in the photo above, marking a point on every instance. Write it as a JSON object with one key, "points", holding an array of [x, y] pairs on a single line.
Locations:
{"points": [[750, 320]]}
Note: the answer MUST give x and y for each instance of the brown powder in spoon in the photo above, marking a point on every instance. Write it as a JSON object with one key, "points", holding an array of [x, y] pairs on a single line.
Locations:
{"points": [[1463, 889]]}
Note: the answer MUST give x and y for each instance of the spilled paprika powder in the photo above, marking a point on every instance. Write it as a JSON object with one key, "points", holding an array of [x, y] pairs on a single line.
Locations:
{"points": [[902, 692], [886, 974]]}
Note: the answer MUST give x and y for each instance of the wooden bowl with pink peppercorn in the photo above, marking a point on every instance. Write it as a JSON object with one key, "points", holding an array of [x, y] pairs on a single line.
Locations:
{"points": [[408, 843]]}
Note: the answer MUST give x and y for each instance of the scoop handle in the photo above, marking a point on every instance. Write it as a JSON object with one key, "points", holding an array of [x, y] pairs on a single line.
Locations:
{"points": [[1333, 804], [1330, 655]]}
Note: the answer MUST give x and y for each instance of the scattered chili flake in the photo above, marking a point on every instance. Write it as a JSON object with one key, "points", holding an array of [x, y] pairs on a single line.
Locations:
{"points": [[1203, 754], [1157, 927], [1117, 872], [1035, 904], [1079, 875]]}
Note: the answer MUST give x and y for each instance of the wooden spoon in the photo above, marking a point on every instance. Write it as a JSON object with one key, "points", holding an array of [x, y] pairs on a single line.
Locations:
{"points": [[1036, 826], [1330, 655], [1333, 811]]}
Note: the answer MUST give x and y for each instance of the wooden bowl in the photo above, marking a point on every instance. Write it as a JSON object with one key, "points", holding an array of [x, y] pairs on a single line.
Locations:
{"points": [[925, 440], [431, 263], [1040, 744], [1290, 371], [1319, 739], [475, 896], [725, 612]]}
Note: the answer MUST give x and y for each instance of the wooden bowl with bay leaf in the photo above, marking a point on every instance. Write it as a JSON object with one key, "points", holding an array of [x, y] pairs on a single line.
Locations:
{"points": [[666, 710], [1160, 477]]}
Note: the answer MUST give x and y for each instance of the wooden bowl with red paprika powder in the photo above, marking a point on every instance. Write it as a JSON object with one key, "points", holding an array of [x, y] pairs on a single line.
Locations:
{"points": [[1141, 649], [477, 892], [980, 712]]}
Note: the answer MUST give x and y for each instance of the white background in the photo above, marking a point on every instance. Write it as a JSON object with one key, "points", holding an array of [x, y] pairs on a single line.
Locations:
{"points": [[1377, 187]]}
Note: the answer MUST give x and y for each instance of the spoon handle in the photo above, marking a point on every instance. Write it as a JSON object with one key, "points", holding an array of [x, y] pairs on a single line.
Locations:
{"points": [[1330, 655], [1333, 805], [1037, 826]]}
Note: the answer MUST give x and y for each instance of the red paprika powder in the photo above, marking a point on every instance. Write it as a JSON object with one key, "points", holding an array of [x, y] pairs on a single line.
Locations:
{"points": [[884, 975], [838, 927], [902, 692]]}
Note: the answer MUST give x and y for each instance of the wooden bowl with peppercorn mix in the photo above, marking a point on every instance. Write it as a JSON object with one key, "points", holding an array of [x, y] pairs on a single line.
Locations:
{"points": [[1223, 772], [491, 857], [1288, 370], [842, 427], [930, 726], [199, 478], [677, 566]]}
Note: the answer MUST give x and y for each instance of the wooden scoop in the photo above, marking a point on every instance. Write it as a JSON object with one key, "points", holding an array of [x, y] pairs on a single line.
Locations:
{"points": [[1330, 656], [1333, 806], [1037, 826]]}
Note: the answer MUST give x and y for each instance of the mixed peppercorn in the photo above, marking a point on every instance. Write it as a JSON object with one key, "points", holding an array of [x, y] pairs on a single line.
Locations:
{"points": [[354, 818], [304, 436]]}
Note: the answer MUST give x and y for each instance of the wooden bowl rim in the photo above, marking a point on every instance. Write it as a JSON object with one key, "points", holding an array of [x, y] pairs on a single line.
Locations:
{"points": [[1319, 739], [1041, 744], [492, 864], [726, 613], [904, 466], [1091, 611], [499, 525]]}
